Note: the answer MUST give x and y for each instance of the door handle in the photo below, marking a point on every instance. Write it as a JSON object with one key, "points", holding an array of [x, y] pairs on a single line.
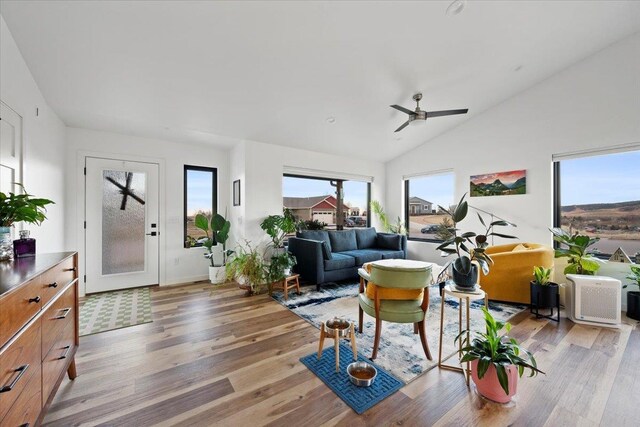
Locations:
{"points": [[153, 233]]}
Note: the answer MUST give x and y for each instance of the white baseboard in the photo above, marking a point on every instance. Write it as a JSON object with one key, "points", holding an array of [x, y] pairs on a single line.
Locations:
{"points": [[184, 280]]}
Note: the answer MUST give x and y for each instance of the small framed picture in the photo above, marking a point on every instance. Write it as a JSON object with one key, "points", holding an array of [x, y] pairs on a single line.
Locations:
{"points": [[236, 192]]}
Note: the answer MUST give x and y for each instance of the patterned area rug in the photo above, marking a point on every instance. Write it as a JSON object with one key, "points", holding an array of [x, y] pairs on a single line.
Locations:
{"points": [[400, 351], [115, 310]]}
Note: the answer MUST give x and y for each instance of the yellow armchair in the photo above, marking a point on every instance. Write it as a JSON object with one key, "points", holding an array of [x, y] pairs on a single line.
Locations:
{"points": [[512, 270]]}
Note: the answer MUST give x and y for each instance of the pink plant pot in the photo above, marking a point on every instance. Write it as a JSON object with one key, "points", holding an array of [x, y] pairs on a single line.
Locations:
{"points": [[489, 386]]}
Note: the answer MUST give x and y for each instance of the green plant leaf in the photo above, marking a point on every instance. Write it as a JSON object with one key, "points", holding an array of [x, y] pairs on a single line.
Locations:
{"points": [[503, 378], [202, 222]]}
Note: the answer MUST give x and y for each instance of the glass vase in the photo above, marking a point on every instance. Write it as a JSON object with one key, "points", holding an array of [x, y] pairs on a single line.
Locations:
{"points": [[6, 244]]}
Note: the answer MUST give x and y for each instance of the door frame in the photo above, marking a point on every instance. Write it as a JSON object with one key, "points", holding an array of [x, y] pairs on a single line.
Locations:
{"points": [[81, 209]]}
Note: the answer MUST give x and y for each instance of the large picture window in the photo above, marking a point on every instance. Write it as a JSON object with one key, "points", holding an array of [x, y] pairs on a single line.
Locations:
{"points": [[600, 196], [423, 195], [315, 201], [200, 196]]}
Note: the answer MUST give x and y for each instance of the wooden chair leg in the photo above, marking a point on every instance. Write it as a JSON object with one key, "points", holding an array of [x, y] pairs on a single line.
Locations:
{"points": [[415, 328], [360, 316], [376, 341], [423, 339]]}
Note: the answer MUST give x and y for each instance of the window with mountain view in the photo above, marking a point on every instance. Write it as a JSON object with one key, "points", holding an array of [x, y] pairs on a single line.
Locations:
{"points": [[600, 197], [423, 196], [200, 196]]}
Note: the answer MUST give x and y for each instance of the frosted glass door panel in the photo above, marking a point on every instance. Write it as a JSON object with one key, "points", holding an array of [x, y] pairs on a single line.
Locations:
{"points": [[123, 221]]}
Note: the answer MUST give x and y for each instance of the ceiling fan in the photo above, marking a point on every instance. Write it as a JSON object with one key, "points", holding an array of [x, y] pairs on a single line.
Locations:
{"points": [[418, 114]]}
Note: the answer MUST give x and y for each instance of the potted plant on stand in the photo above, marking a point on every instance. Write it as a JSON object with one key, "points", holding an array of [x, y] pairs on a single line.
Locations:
{"points": [[278, 227], [16, 208], [469, 247], [496, 360], [217, 231], [248, 269], [633, 297], [544, 293]]}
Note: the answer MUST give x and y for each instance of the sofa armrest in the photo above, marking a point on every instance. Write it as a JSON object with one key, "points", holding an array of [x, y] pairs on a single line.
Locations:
{"points": [[308, 253]]}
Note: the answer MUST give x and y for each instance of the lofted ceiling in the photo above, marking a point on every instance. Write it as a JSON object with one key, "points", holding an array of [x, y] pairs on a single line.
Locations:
{"points": [[275, 72]]}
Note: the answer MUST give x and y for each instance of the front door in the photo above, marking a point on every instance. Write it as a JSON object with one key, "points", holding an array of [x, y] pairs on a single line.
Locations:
{"points": [[121, 213]]}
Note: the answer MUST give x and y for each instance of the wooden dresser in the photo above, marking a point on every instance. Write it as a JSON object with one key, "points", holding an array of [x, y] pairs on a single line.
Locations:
{"points": [[38, 333]]}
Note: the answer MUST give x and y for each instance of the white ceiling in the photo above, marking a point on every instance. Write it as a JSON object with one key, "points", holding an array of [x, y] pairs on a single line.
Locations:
{"points": [[275, 71]]}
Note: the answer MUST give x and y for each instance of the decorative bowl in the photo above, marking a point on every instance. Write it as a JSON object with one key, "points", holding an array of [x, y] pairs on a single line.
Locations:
{"points": [[362, 374], [337, 326]]}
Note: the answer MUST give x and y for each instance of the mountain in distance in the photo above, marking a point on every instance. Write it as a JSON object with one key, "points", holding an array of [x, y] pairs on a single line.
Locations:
{"points": [[520, 182]]}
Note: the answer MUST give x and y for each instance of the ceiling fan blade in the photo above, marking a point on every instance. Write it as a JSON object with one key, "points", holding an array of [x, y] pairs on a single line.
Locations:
{"points": [[404, 110], [404, 125], [446, 112]]}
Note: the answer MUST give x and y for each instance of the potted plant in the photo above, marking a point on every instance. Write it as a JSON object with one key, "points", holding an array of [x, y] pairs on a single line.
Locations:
{"points": [[311, 224], [247, 267], [217, 231], [580, 261], [496, 360], [278, 227], [280, 266], [633, 297], [16, 208], [469, 247], [387, 225], [544, 294]]}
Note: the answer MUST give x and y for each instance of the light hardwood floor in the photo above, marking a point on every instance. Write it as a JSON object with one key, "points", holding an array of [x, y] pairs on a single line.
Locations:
{"points": [[222, 358]]}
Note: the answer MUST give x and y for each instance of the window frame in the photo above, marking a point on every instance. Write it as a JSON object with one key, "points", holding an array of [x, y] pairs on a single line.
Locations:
{"points": [[407, 205], [214, 197]]}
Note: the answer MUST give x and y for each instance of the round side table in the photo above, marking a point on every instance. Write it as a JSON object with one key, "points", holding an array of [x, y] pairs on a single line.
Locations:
{"points": [[478, 294]]}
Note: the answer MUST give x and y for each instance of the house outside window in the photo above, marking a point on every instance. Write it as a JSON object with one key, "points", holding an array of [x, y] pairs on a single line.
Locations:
{"points": [[423, 194]]}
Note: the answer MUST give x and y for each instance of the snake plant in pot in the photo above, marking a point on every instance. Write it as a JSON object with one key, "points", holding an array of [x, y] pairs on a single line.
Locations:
{"points": [[217, 231], [544, 293], [469, 247], [497, 361]]}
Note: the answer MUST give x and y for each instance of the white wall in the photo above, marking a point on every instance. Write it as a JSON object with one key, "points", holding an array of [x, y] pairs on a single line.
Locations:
{"points": [[177, 264], [43, 141], [593, 104], [260, 167]]}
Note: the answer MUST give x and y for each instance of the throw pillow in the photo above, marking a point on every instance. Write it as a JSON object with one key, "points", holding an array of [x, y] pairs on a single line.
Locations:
{"points": [[389, 241], [343, 241], [519, 248]]}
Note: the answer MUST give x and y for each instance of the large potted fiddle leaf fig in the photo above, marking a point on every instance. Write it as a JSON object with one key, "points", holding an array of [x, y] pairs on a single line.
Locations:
{"points": [[577, 251], [469, 247], [217, 231]]}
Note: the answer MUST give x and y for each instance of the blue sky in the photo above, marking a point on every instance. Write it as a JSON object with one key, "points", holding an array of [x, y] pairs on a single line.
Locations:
{"points": [[355, 192], [198, 191], [600, 179], [437, 189]]}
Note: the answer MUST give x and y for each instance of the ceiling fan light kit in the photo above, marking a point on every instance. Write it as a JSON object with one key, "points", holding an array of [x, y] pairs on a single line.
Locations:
{"points": [[419, 116]]}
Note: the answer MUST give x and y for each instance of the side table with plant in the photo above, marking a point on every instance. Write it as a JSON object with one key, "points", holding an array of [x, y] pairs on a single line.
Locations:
{"points": [[633, 297], [18, 208], [496, 360]]}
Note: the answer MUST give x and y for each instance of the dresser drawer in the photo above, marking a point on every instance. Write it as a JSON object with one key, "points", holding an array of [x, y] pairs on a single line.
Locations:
{"points": [[55, 362], [18, 307], [54, 320], [56, 278], [19, 365], [26, 409]]}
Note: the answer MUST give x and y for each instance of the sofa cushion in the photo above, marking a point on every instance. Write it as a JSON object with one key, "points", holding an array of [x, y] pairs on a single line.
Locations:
{"points": [[320, 235], [391, 254], [339, 261], [364, 255], [519, 248], [343, 241], [366, 237], [392, 293], [389, 241], [326, 251]]}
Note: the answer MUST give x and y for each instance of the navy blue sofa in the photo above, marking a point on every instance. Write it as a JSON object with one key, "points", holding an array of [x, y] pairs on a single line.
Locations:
{"points": [[328, 256]]}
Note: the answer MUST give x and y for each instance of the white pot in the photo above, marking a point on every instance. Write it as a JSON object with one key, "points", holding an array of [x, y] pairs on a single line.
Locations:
{"points": [[217, 275], [287, 272]]}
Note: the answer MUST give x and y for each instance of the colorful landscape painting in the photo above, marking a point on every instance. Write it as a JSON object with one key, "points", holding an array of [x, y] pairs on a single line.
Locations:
{"points": [[499, 184]]}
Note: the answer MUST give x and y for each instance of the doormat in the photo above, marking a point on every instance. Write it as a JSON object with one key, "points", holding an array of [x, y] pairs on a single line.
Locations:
{"points": [[114, 310], [358, 398], [400, 351]]}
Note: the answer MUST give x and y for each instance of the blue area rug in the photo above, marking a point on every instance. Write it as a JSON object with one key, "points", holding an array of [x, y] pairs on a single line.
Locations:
{"points": [[358, 398]]}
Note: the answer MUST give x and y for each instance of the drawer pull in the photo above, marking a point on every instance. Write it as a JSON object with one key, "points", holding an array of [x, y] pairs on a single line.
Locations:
{"points": [[21, 370], [53, 285], [35, 299], [68, 349], [65, 311], [70, 269]]}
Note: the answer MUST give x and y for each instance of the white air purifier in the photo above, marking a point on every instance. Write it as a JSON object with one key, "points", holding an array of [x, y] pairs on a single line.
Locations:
{"points": [[594, 300]]}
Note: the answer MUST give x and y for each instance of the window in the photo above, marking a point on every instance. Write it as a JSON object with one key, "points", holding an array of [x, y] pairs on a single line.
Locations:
{"points": [[600, 196], [423, 195], [316, 199], [200, 196]]}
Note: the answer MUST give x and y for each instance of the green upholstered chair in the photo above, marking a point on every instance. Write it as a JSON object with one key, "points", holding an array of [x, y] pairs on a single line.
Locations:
{"points": [[411, 279]]}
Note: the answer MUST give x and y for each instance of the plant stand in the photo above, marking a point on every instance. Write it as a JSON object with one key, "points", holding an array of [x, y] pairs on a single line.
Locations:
{"points": [[336, 335], [286, 284], [479, 294], [534, 309]]}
